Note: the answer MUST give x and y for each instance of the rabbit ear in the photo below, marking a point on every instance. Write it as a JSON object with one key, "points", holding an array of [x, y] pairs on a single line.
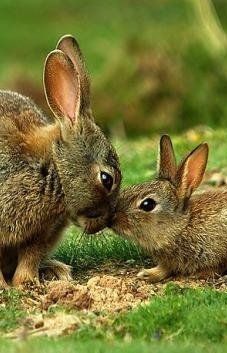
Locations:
{"points": [[70, 47], [167, 165], [191, 170], [62, 86]]}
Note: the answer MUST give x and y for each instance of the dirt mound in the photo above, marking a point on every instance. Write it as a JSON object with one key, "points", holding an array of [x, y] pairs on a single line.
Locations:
{"points": [[67, 294], [110, 288], [100, 293]]}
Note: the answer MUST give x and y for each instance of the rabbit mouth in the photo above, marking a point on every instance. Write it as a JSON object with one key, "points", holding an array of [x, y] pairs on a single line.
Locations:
{"points": [[93, 220], [92, 225]]}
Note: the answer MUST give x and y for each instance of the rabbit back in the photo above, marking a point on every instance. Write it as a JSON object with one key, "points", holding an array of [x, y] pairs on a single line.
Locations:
{"points": [[21, 111]]}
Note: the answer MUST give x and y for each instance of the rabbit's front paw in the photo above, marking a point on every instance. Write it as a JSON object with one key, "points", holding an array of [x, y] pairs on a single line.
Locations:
{"points": [[54, 269], [3, 283], [23, 277], [154, 274]]}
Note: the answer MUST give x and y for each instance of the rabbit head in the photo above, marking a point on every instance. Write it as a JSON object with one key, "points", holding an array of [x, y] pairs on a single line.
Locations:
{"points": [[154, 213], [86, 161]]}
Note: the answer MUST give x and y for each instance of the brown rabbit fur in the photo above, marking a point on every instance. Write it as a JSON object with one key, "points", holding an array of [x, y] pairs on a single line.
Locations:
{"points": [[52, 172], [184, 235]]}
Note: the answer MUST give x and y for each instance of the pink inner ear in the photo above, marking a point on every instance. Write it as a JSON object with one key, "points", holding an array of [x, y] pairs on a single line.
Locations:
{"points": [[62, 86], [66, 95], [196, 168]]}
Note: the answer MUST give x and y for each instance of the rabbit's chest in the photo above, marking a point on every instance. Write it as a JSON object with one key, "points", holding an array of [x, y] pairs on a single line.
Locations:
{"points": [[31, 202]]}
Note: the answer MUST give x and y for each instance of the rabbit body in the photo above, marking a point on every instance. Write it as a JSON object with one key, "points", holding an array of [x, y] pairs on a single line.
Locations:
{"points": [[52, 171], [184, 235], [32, 210], [31, 194]]}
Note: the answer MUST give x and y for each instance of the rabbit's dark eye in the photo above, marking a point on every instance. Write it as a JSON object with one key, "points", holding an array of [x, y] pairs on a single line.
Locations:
{"points": [[148, 205], [107, 180]]}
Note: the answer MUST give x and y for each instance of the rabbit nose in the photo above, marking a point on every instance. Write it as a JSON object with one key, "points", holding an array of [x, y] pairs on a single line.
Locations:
{"points": [[110, 221]]}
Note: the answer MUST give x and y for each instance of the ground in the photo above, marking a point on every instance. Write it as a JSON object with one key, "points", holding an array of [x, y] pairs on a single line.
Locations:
{"points": [[107, 307]]}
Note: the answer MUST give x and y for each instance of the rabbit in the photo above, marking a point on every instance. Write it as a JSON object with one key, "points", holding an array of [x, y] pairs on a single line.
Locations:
{"points": [[52, 171], [184, 234]]}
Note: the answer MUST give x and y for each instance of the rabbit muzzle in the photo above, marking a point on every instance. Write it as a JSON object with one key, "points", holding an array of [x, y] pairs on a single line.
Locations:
{"points": [[92, 220], [120, 224]]}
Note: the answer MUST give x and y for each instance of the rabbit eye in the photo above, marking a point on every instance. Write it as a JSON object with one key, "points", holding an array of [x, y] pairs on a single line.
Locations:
{"points": [[148, 205], [107, 180]]}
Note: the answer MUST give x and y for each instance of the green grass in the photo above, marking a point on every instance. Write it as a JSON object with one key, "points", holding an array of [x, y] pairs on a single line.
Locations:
{"points": [[70, 345], [84, 252], [11, 313], [182, 314]]}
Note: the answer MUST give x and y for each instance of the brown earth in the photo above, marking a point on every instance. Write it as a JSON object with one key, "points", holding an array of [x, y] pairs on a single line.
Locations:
{"points": [[58, 308], [112, 288]]}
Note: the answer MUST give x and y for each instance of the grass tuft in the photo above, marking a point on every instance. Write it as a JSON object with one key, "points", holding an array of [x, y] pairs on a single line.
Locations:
{"points": [[11, 312]]}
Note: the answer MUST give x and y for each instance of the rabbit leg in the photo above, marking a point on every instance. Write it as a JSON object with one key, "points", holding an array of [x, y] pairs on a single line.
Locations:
{"points": [[154, 274], [32, 254], [51, 267], [29, 258], [3, 283], [56, 269]]}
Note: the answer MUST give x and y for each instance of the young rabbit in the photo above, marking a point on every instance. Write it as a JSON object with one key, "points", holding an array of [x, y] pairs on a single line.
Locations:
{"points": [[52, 172], [184, 235]]}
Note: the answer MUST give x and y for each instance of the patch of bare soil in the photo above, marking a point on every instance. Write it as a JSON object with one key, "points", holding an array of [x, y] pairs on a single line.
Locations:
{"points": [[111, 288], [58, 324], [108, 289], [98, 295], [101, 293]]}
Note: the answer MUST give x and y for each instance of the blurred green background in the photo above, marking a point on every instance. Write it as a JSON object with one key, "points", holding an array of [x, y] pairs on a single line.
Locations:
{"points": [[155, 65]]}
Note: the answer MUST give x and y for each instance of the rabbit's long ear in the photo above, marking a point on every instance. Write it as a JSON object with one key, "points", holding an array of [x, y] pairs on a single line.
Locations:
{"points": [[70, 47], [62, 86], [167, 165], [191, 170]]}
